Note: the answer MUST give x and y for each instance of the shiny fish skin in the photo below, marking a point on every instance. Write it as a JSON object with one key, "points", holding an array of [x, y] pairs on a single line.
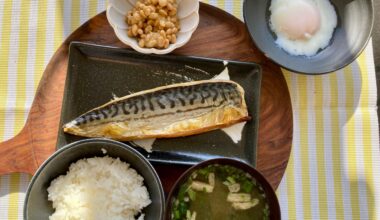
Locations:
{"points": [[169, 111]]}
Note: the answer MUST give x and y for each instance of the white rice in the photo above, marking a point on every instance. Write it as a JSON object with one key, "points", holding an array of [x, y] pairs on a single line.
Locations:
{"points": [[98, 188]]}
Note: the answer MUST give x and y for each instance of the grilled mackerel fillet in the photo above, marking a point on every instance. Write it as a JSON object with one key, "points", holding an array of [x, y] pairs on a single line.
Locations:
{"points": [[164, 112]]}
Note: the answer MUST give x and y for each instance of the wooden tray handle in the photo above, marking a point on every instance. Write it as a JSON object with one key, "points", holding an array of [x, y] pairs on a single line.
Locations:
{"points": [[16, 154], [37, 140]]}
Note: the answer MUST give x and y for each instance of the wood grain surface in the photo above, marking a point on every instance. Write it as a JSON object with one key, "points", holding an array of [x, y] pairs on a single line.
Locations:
{"points": [[219, 35]]}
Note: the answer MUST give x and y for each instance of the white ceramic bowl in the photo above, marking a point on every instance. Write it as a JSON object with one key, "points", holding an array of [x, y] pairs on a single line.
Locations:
{"points": [[187, 13]]}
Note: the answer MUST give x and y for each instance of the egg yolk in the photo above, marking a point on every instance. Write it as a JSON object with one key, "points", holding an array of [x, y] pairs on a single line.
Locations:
{"points": [[298, 20]]}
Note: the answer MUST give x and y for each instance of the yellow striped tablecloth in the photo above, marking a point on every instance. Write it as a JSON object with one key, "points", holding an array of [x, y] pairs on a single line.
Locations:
{"points": [[334, 168]]}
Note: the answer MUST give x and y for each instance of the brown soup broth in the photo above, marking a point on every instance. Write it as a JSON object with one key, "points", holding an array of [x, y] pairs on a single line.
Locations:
{"points": [[214, 205]]}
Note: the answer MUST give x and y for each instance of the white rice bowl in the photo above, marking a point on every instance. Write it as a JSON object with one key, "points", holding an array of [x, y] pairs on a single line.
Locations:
{"points": [[98, 188]]}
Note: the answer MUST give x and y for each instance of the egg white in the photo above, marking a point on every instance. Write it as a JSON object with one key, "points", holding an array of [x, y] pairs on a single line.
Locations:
{"points": [[322, 37]]}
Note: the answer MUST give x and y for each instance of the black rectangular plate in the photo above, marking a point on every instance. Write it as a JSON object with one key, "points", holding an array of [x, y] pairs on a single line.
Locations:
{"points": [[96, 74]]}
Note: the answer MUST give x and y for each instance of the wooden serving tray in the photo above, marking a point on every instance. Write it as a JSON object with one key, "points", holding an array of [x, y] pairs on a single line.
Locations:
{"points": [[219, 35]]}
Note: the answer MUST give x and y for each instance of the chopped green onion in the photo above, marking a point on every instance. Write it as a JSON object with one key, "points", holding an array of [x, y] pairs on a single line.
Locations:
{"points": [[192, 194], [231, 179], [202, 171], [266, 211], [247, 187], [176, 214], [226, 183]]}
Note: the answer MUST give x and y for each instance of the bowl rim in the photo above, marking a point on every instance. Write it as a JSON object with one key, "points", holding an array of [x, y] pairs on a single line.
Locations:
{"points": [[223, 161], [96, 140], [372, 18]]}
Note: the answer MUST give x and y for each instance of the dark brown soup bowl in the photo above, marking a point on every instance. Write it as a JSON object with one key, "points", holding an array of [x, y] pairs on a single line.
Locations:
{"points": [[274, 207], [355, 22]]}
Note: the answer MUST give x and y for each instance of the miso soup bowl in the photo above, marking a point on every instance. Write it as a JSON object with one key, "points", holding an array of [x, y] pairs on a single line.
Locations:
{"points": [[274, 207]]}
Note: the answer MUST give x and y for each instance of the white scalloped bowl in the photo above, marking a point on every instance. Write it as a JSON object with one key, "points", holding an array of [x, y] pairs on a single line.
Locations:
{"points": [[187, 14]]}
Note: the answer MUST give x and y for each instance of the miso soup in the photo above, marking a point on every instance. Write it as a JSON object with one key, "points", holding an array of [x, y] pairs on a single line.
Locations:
{"points": [[220, 192]]}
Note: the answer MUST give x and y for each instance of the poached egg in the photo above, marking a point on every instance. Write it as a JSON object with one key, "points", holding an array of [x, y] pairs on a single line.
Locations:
{"points": [[303, 27]]}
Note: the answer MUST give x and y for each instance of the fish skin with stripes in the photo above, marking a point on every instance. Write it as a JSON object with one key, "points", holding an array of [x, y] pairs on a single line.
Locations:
{"points": [[176, 110]]}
